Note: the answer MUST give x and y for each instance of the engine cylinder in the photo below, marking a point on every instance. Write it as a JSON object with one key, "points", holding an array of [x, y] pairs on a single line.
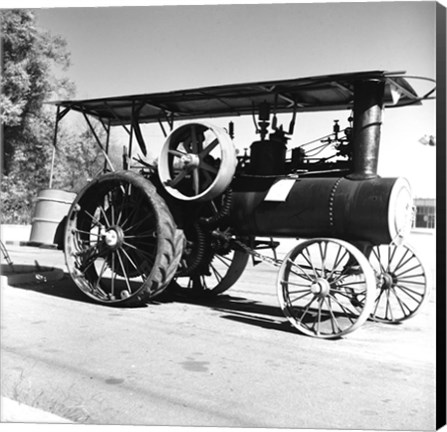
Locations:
{"points": [[376, 210], [267, 157]]}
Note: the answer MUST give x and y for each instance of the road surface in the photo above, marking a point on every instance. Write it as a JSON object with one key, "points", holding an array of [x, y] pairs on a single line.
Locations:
{"points": [[234, 361]]}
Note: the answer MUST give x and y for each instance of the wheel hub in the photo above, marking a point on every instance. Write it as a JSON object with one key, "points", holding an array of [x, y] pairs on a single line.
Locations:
{"points": [[113, 238], [387, 281], [190, 160], [320, 287]]}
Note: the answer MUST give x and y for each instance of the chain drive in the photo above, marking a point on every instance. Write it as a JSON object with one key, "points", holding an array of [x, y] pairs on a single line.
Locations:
{"points": [[237, 244]]}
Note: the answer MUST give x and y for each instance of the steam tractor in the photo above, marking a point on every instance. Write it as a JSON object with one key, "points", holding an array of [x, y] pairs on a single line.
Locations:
{"points": [[192, 220]]}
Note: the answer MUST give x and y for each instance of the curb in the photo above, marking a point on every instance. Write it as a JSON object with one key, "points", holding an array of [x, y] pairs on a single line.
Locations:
{"points": [[16, 412]]}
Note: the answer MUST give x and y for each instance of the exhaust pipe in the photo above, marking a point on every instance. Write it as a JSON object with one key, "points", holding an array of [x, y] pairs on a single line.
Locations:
{"points": [[368, 105]]}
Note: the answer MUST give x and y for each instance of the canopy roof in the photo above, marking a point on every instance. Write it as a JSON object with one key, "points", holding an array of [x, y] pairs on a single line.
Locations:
{"points": [[322, 93]]}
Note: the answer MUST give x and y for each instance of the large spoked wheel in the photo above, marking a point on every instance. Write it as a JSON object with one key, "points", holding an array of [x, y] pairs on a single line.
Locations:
{"points": [[326, 288], [197, 162], [402, 283], [221, 274], [121, 243]]}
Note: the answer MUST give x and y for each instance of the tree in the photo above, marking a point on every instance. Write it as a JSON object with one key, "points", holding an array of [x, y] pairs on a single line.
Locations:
{"points": [[30, 56], [31, 59]]}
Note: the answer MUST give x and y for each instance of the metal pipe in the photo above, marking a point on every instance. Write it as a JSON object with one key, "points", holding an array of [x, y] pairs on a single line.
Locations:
{"points": [[368, 105]]}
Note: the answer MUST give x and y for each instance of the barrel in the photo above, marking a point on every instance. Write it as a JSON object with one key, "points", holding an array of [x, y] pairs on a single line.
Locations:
{"points": [[51, 208]]}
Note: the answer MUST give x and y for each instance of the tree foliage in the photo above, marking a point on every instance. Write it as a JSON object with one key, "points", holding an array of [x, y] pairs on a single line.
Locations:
{"points": [[32, 59]]}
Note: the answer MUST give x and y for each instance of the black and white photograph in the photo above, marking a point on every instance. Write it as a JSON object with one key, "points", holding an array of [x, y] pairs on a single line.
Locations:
{"points": [[223, 215]]}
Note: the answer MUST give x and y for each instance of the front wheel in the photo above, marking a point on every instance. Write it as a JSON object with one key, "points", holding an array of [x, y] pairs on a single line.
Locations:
{"points": [[326, 288], [402, 283]]}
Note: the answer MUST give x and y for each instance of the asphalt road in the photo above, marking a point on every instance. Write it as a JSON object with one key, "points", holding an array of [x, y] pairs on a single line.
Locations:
{"points": [[234, 361]]}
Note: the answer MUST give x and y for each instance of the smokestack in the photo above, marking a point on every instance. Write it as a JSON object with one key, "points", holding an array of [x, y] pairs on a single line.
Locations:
{"points": [[368, 105]]}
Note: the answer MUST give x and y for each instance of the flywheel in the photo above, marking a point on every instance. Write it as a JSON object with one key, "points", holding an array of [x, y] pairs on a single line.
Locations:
{"points": [[197, 162]]}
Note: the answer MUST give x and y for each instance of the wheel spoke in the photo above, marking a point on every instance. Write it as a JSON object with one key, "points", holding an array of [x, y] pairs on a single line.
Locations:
{"points": [[177, 179], [111, 207], [101, 274], [295, 284], [218, 276], [209, 148], [226, 261], [399, 275], [177, 153], [113, 277], [388, 306], [101, 209], [139, 222], [207, 167], [196, 185], [300, 297], [337, 261], [317, 320], [304, 275], [394, 248], [307, 309], [376, 252], [129, 258], [95, 221], [401, 303], [409, 279], [123, 268], [407, 291], [88, 257], [347, 312], [400, 264], [323, 258], [333, 318], [309, 260], [77, 230], [378, 302], [194, 140], [130, 217]]}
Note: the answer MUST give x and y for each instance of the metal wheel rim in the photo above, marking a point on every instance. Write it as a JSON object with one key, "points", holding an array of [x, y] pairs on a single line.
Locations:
{"points": [[402, 283], [316, 273]]}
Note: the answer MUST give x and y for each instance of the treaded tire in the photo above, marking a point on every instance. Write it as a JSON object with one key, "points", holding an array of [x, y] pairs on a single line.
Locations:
{"points": [[120, 233]]}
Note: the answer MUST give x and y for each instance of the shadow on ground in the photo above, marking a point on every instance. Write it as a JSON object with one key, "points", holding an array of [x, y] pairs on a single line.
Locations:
{"points": [[233, 308]]}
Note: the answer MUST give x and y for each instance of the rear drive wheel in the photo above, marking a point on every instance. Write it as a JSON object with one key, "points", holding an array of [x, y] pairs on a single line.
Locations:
{"points": [[121, 242]]}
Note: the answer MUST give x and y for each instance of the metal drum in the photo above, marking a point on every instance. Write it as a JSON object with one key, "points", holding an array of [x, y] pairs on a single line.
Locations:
{"points": [[51, 208]]}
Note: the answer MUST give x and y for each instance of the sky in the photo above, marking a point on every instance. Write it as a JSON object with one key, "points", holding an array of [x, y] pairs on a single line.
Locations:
{"points": [[132, 50]]}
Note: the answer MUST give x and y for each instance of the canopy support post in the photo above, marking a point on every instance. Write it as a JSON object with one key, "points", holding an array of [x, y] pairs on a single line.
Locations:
{"points": [[98, 142], [53, 156]]}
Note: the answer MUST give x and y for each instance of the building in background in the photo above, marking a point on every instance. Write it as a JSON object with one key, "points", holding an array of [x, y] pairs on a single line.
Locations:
{"points": [[425, 213]]}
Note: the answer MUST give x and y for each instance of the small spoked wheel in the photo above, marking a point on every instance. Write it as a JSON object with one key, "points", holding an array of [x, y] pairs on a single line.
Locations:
{"points": [[197, 162], [402, 282], [326, 288], [121, 243]]}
